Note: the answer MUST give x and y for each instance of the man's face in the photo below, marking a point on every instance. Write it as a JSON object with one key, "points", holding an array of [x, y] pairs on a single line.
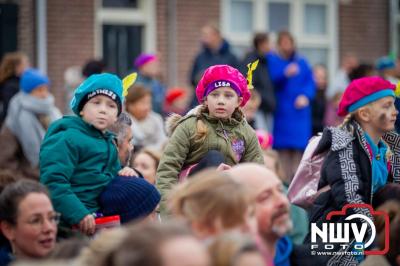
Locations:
{"points": [[125, 148], [272, 209], [271, 204]]}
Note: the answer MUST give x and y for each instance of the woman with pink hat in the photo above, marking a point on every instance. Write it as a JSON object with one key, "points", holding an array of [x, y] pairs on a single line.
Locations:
{"points": [[215, 133]]}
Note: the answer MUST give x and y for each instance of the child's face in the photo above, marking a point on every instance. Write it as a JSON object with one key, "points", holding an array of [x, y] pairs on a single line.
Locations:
{"points": [[250, 109], [147, 166], [141, 108], [383, 114], [100, 111], [40, 92], [222, 102]]}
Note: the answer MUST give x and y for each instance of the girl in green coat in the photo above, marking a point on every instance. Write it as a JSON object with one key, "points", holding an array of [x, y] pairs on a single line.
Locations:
{"points": [[213, 134]]}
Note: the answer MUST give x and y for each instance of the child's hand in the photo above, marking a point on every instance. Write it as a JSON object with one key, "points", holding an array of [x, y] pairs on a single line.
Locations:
{"points": [[127, 171], [223, 167], [87, 225]]}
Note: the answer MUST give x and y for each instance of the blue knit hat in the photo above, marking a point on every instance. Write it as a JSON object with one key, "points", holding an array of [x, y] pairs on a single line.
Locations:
{"points": [[31, 79], [129, 197], [384, 63], [98, 84]]}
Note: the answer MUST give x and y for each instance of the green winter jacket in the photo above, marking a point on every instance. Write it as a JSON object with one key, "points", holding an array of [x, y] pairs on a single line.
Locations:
{"points": [[76, 162], [225, 136]]}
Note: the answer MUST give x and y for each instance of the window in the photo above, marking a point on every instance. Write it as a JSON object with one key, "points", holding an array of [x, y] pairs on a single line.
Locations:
{"points": [[278, 16], [242, 13], [124, 29], [312, 22]]}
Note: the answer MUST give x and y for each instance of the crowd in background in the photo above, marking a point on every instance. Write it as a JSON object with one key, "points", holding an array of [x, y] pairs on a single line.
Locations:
{"points": [[236, 215]]}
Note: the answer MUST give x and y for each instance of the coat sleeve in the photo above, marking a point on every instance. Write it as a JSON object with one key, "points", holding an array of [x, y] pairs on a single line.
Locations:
{"points": [[253, 151], [31, 145], [172, 160], [58, 160]]}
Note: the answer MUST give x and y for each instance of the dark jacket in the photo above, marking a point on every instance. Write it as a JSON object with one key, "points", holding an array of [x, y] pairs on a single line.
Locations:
{"points": [[347, 170], [261, 81], [207, 58], [318, 106], [7, 90]]}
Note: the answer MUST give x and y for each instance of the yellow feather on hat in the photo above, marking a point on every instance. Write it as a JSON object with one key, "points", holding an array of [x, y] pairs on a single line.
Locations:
{"points": [[397, 90], [127, 82], [251, 67]]}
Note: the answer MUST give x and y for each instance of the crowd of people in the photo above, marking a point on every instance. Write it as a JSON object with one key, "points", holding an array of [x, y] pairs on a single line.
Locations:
{"points": [[136, 173]]}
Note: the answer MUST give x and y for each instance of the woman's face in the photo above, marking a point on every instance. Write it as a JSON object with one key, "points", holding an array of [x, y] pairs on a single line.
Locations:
{"points": [[34, 234], [145, 164]]}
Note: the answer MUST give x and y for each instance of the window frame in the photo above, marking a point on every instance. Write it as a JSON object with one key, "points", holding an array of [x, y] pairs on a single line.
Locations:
{"points": [[296, 20]]}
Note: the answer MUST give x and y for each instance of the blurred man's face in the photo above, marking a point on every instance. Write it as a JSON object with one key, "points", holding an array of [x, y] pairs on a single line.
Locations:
{"points": [[320, 77], [125, 148], [271, 204], [286, 45], [151, 69], [210, 38]]}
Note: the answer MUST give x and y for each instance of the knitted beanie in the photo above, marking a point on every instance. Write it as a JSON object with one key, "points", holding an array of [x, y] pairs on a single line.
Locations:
{"points": [[363, 91], [129, 197], [98, 84], [222, 76], [31, 79]]}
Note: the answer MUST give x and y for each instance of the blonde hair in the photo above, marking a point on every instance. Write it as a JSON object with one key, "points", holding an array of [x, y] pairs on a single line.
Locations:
{"points": [[155, 155], [227, 248], [208, 196], [9, 64]]}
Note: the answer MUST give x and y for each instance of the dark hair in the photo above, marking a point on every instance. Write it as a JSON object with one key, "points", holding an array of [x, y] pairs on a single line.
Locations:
{"points": [[93, 67], [285, 34], [7, 177], [69, 248], [135, 93], [141, 247], [361, 71], [388, 192], [13, 194], [9, 63], [259, 38]]}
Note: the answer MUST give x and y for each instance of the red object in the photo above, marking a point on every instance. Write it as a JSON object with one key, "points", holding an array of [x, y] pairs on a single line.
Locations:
{"points": [[107, 222], [226, 73], [361, 88], [173, 94]]}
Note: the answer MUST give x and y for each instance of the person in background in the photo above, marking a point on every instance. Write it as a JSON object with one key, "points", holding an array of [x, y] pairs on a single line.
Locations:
{"points": [[251, 108], [341, 79], [295, 89], [148, 68], [318, 105], [146, 162], [11, 68], [235, 249], [271, 211], [215, 51], [147, 125], [176, 101], [261, 79], [123, 132], [29, 115], [93, 66], [155, 244], [386, 67], [212, 202], [28, 222]]}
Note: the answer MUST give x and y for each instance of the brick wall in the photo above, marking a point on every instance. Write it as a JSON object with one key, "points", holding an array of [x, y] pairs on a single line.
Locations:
{"points": [[191, 16], [70, 35], [27, 29], [364, 28]]}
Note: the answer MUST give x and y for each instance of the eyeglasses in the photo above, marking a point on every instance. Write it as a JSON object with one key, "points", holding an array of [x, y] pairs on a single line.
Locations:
{"points": [[39, 220]]}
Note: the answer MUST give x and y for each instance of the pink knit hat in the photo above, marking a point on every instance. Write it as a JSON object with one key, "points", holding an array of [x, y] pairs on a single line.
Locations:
{"points": [[362, 91], [222, 76]]}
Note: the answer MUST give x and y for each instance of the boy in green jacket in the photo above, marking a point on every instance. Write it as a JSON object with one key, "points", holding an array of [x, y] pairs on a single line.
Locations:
{"points": [[78, 157]]}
